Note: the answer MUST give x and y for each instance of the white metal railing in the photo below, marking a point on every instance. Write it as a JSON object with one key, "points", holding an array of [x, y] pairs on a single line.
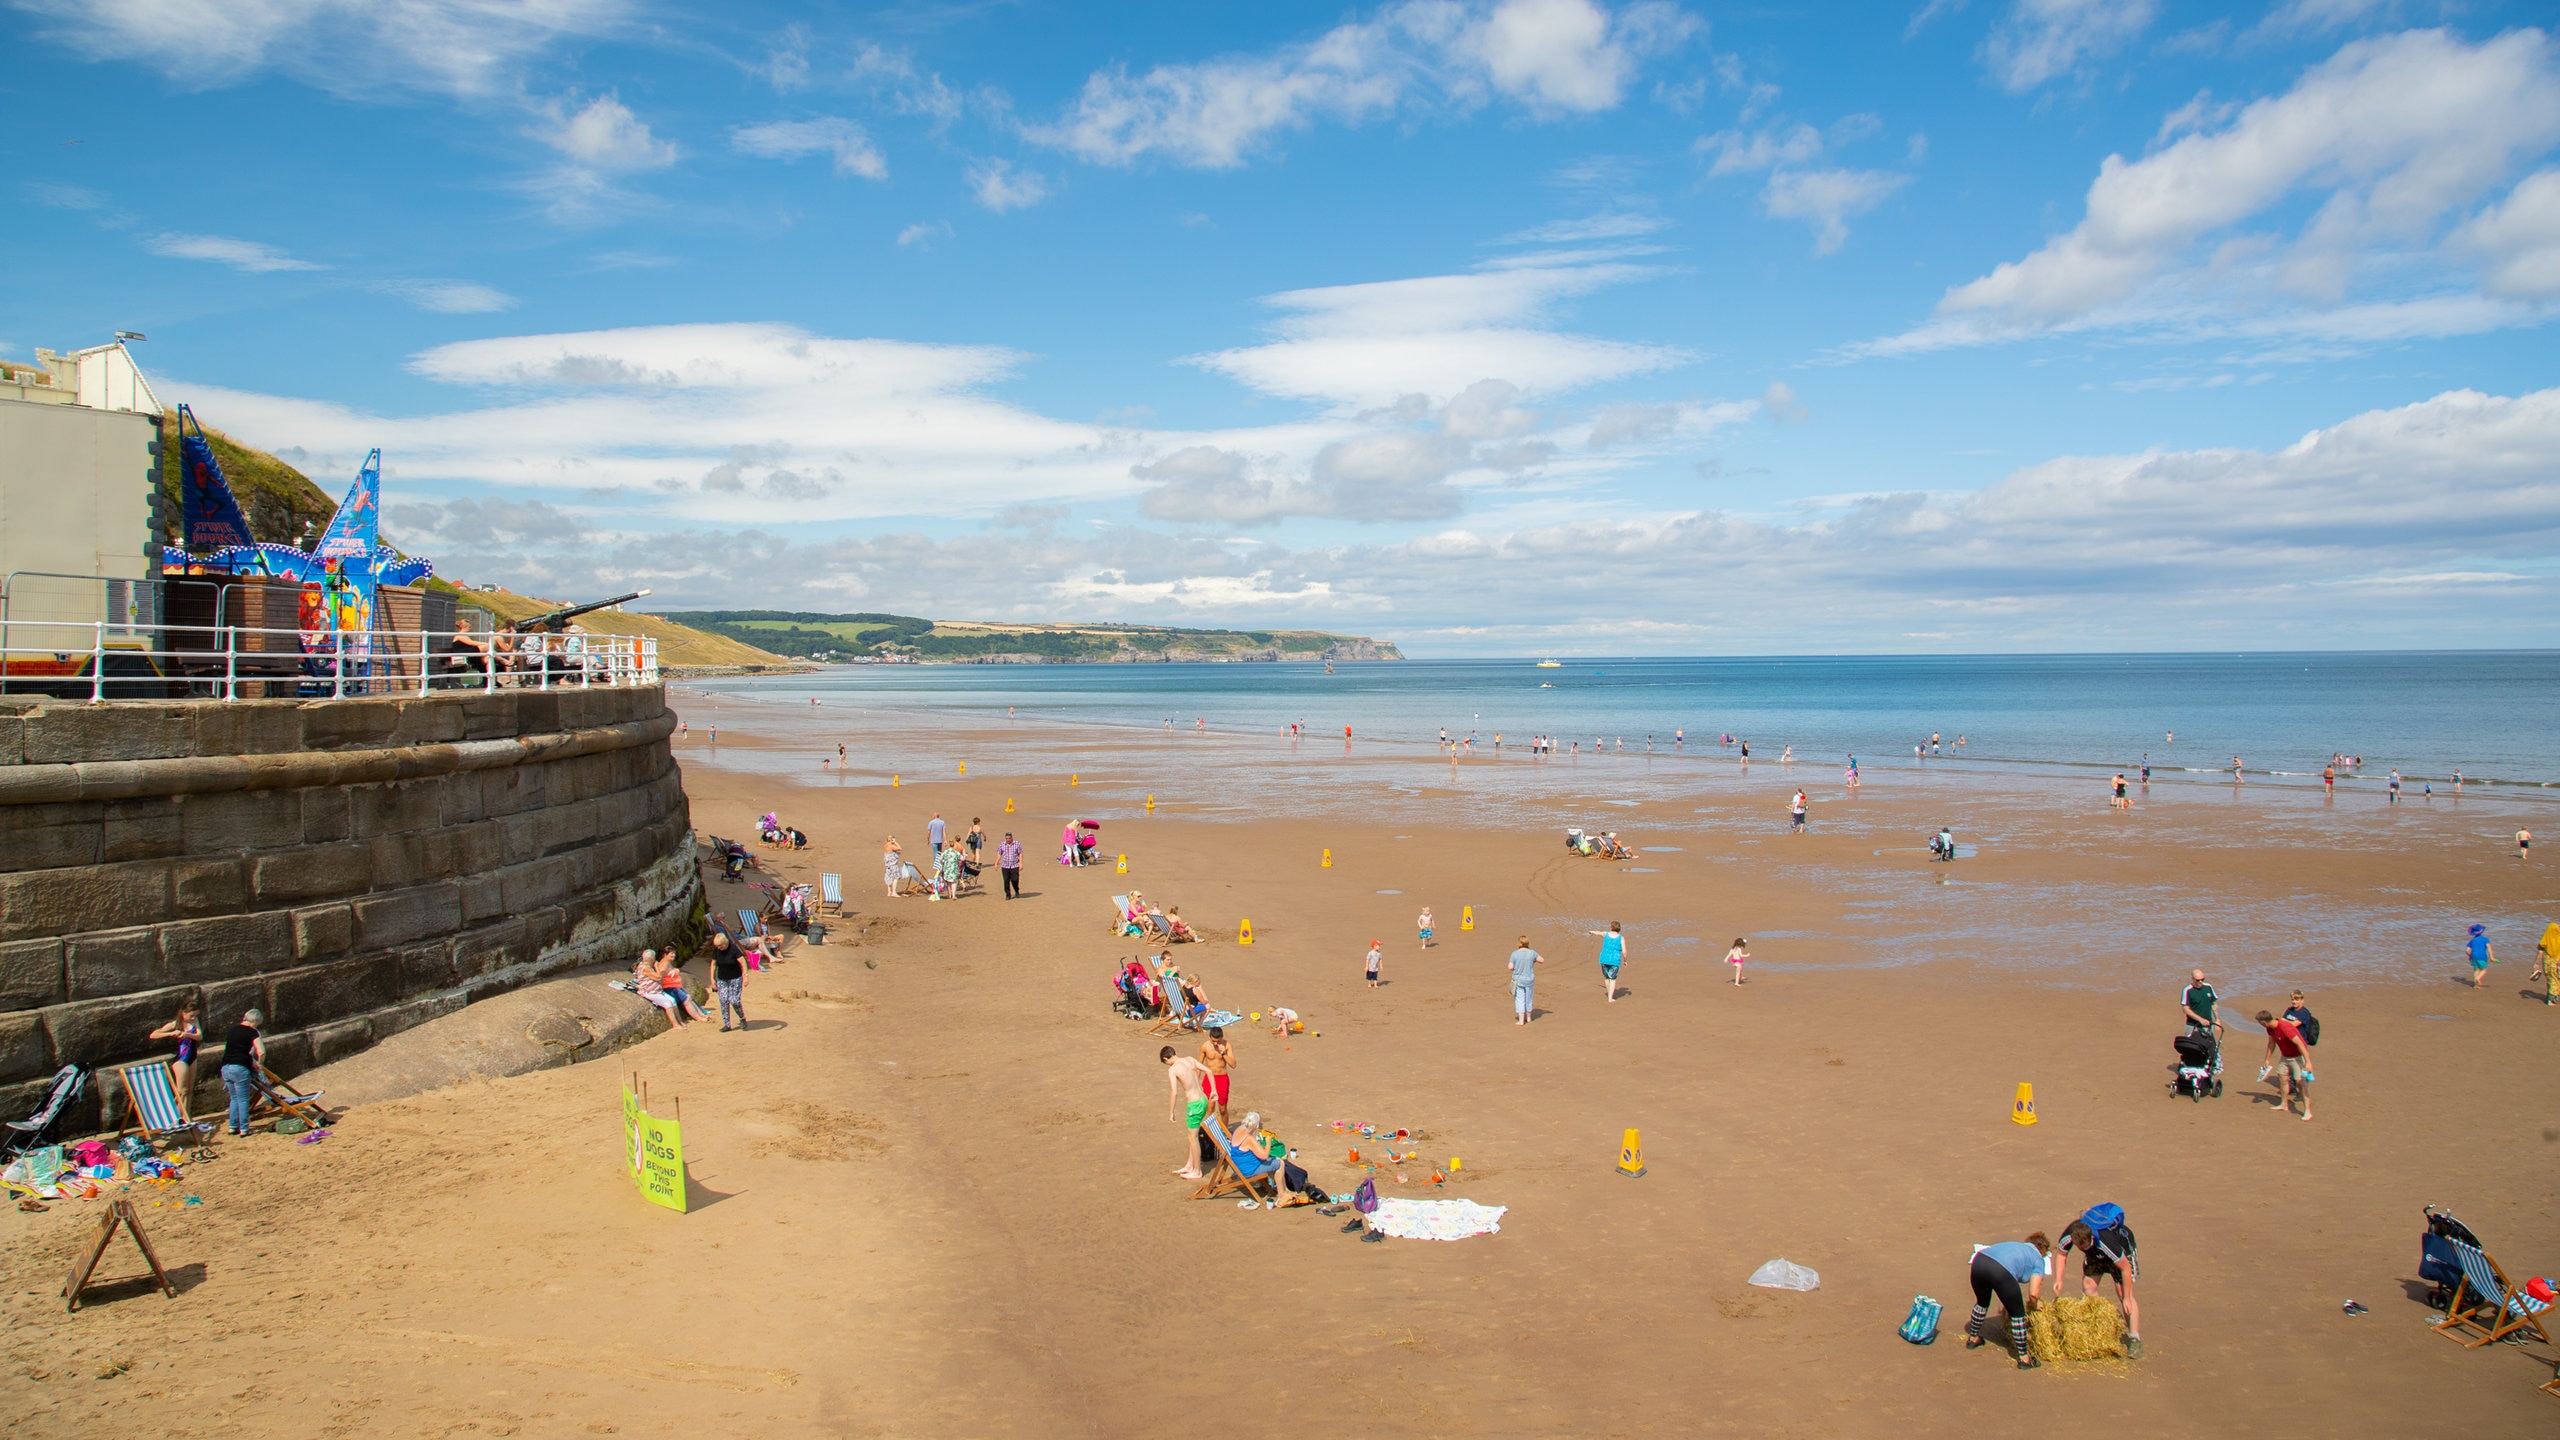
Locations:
{"points": [[71, 659]]}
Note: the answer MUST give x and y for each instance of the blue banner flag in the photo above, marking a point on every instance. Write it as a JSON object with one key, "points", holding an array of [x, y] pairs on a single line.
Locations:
{"points": [[356, 528], [213, 518]]}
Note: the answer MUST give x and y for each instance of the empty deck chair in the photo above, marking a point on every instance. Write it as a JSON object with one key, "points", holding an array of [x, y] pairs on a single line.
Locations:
{"points": [[2486, 1303], [271, 1095], [831, 894], [25, 1135], [151, 1098]]}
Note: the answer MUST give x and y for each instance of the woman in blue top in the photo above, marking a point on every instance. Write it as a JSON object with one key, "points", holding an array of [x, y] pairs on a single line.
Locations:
{"points": [[1613, 953], [2002, 1270]]}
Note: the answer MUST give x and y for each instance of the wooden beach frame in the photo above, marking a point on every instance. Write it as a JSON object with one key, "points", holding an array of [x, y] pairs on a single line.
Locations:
{"points": [[84, 1269]]}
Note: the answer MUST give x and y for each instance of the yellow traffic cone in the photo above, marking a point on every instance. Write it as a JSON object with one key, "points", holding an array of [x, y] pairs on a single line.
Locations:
{"points": [[1244, 932], [1123, 867], [1072, 780], [893, 782], [1328, 859], [1631, 1156], [1466, 917], [964, 767], [1008, 804], [2023, 1109], [1151, 804]]}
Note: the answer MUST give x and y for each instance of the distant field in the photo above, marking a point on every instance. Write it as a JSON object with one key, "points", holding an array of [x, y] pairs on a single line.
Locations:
{"points": [[678, 644]]}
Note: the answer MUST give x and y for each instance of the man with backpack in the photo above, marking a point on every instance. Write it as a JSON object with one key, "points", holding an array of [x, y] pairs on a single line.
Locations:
{"points": [[2106, 1247]]}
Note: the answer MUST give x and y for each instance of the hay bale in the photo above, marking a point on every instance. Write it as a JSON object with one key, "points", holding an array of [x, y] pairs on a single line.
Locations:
{"points": [[2076, 1327]]}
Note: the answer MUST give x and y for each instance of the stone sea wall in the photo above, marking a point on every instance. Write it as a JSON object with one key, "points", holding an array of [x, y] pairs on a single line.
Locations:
{"points": [[351, 867]]}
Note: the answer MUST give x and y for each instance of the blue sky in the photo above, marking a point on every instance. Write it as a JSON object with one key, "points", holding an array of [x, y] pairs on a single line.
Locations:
{"points": [[1491, 326]]}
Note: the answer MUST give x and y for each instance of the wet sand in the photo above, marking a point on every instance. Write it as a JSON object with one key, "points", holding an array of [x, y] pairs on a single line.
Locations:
{"points": [[932, 1182]]}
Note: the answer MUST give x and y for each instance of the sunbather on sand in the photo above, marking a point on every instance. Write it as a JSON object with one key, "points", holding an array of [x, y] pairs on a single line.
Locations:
{"points": [[1175, 928]]}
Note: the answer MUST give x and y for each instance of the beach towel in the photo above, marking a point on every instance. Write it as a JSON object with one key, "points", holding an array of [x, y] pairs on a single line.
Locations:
{"points": [[1221, 1017], [1435, 1219]]}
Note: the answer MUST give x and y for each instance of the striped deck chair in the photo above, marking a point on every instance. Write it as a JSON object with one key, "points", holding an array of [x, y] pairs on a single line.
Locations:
{"points": [[1119, 914], [1179, 1013], [831, 893], [272, 1096], [2485, 1302], [1234, 1171], [151, 1098]]}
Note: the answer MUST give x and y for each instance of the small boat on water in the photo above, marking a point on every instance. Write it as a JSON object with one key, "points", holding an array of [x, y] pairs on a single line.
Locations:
{"points": [[1551, 663]]}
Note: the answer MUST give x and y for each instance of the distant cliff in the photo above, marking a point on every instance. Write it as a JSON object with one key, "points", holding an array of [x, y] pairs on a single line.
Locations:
{"points": [[904, 638]]}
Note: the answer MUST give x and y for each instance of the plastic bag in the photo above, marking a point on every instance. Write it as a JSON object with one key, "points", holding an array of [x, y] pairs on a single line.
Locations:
{"points": [[1786, 1275]]}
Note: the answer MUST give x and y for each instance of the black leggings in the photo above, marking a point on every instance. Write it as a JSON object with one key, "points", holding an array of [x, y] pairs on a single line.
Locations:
{"points": [[1990, 1278]]}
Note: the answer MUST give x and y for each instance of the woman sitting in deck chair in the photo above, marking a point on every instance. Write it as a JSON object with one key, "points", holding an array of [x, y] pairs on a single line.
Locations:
{"points": [[1176, 930]]}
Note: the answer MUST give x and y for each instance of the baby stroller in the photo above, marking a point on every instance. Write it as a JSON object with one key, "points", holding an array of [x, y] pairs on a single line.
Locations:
{"points": [[2199, 1064], [1137, 992], [2438, 1266]]}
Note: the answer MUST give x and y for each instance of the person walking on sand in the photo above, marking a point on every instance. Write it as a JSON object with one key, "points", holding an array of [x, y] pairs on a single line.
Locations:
{"points": [[1524, 964], [729, 980], [1188, 1081], [1737, 957], [2288, 1060], [1377, 952], [2549, 969], [188, 1033], [893, 863], [2483, 954], [1422, 924], [1795, 814], [1219, 1058], [975, 843], [1613, 953], [1009, 863], [934, 831]]}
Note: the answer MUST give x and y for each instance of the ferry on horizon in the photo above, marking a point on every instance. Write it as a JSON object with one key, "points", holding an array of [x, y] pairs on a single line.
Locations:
{"points": [[1551, 663]]}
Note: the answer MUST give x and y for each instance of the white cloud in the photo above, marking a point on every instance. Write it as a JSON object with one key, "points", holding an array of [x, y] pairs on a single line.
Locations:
{"points": [[1617, 225], [460, 47], [1781, 404], [925, 232], [1369, 346], [1825, 199], [2041, 39], [2394, 135], [449, 297], [826, 135], [2430, 523], [1000, 187], [1738, 153], [603, 135], [1553, 56], [2518, 241], [247, 255]]}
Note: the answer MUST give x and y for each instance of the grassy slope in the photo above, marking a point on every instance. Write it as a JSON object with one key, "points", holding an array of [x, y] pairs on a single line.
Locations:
{"points": [[677, 644], [960, 639], [278, 499]]}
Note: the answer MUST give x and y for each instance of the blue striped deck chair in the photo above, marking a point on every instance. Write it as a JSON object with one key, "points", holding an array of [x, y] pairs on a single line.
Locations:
{"points": [[151, 1098], [1234, 1171], [831, 893], [2484, 1301], [748, 925], [1119, 914], [1180, 1013]]}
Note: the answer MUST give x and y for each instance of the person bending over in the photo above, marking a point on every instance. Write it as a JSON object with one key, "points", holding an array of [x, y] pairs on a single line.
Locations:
{"points": [[2106, 1249], [2001, 1270]]}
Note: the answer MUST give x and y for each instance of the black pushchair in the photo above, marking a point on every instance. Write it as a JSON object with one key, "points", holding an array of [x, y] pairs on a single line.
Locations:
{"points": [[2438, 1266], [2199, 1067], [28, 1134]]}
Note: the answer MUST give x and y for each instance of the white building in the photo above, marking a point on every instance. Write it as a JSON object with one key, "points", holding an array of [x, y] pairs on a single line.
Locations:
{"points": [[79, 495]]}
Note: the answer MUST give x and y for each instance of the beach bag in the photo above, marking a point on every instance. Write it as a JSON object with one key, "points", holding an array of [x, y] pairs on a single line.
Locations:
{"points": [[1920, 1327], [1365, 1199], [2310, 1028]]}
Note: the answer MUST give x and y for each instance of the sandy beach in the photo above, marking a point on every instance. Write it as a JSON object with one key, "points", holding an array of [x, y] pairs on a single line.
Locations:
{"points": [[930, 1182]]}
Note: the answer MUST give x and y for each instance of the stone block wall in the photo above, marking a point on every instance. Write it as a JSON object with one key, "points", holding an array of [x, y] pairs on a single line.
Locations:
{"points": [[350, 867]]}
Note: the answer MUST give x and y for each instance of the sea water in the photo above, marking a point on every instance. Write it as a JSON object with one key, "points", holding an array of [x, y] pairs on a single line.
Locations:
{"points": [[2494, 716]]}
